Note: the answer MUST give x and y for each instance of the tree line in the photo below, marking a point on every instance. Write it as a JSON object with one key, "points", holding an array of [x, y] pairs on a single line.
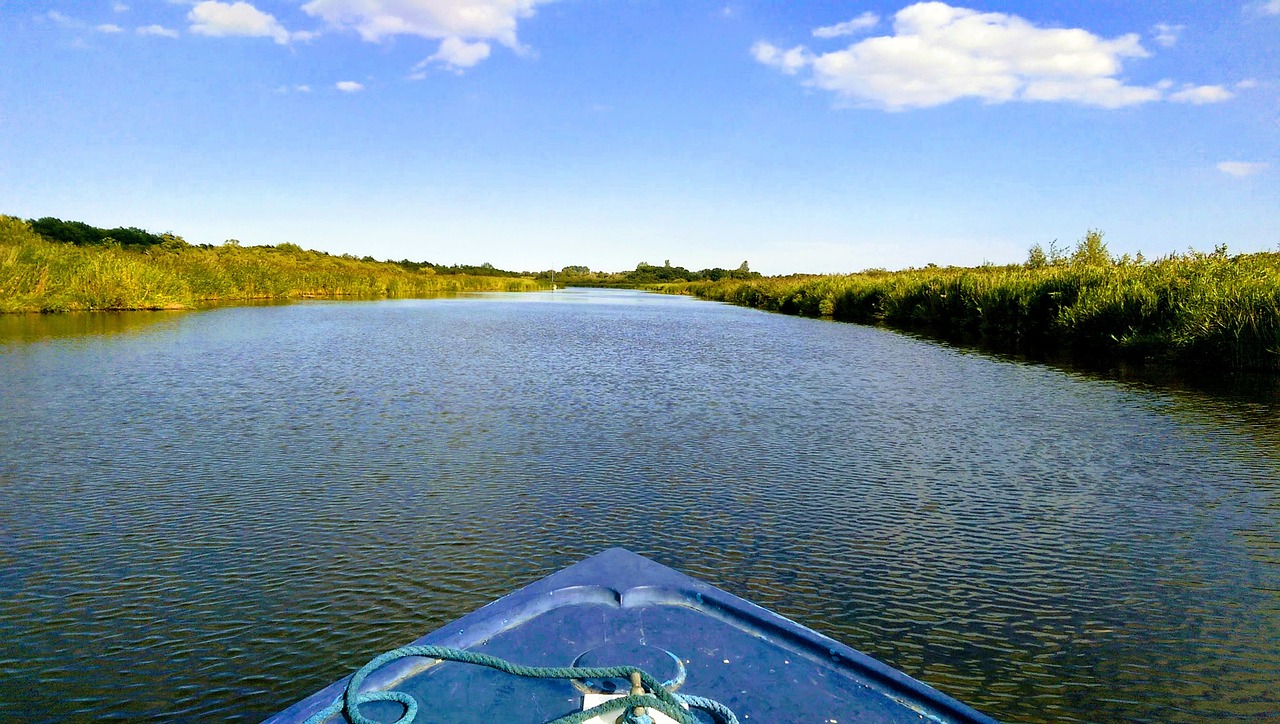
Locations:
{"points": [[82, 234], [645, 274]]}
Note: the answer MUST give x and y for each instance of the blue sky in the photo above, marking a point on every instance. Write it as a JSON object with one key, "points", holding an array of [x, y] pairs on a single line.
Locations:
{"points": [[535, 134]]}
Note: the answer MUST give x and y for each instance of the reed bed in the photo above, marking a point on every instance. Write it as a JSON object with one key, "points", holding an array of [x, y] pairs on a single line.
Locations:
{"points": [[37, 275], [1192, 310]]}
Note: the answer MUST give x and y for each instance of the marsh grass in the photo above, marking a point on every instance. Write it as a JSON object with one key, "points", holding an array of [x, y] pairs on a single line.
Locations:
{"points": [[37, 275], [1196, 309]]}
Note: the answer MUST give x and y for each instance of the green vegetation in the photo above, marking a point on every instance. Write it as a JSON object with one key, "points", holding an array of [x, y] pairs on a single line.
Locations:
{"points": [[83, 268], [644, 275], [1194, 310]]}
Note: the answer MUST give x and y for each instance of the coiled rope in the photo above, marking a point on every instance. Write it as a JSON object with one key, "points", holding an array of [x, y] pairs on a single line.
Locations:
{"points": [[651, 694]]}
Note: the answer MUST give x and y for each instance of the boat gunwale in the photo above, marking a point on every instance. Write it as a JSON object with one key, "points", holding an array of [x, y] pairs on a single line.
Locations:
{"points": [[619, 578]]}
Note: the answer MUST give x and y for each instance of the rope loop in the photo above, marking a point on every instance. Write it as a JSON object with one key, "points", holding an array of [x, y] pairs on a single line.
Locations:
{"points": [[650, 694]]}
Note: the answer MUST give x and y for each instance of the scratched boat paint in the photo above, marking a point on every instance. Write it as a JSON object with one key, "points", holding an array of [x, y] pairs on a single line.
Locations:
{"points": [[208, 516]]}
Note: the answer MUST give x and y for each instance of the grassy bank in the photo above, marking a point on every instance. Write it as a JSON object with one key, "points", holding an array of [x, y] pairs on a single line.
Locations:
{"points": [[1193, 310], [38, 275]]}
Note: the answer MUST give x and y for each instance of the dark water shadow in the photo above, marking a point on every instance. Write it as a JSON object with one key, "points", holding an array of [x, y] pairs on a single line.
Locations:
{"points": [[27, 328], [23, 328], [1225, 384]]}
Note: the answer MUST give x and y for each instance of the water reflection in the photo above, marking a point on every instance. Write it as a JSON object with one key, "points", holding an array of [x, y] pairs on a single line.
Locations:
{"points": [[214, 519], [26, 328]]}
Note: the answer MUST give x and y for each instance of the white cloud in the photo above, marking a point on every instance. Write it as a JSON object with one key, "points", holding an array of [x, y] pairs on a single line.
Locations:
{"points": [[348, 86], [120, 7], [455, 54], [788, 61], [938, 54], [302, 88], [109, 28], [1241, 169], [219, 19], [157, 30], [849, 27], [1201, 94], [1269, 7], [375, 20], [1167, 35], [1102, 92], [61, 19], [1247, 83]]}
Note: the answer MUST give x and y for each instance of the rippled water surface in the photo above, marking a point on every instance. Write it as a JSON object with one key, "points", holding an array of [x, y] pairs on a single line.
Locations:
{"points": [[210, 515]]}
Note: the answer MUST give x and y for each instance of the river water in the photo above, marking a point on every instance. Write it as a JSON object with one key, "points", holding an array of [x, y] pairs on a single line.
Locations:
{"points": [[209, 515]]}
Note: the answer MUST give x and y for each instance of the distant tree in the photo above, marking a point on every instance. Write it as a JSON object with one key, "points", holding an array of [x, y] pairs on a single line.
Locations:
{"points": [[1091, 251], [1036, 258], [67, 232], [744, 272], [133, 236], [415, 265], [82, 234], [1057, 257], [648, 274], [173, 242]]}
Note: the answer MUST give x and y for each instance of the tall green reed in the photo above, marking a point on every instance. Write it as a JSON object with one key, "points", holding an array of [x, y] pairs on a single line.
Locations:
{"points": [[37, 275], [1195, 309]]}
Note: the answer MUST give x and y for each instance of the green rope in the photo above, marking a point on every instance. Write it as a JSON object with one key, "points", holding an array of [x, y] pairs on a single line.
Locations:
{"points": [[656, 695]]}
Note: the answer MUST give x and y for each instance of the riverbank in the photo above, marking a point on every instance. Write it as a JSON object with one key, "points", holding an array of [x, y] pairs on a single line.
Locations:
{"points": [[1193, 310], [38, 275]]}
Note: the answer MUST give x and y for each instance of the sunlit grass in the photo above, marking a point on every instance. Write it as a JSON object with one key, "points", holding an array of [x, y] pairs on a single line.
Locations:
{"points": [[1193, 309], [37, 275]]}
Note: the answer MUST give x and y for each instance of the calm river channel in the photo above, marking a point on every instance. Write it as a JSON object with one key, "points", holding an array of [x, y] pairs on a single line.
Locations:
{"points": [[209, 515]]}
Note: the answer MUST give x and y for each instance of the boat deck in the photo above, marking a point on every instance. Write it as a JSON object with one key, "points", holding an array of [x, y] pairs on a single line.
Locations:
{"points": [[620, 608]]}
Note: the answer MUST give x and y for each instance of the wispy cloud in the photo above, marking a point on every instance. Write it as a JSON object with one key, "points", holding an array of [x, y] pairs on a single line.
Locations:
{"points": [[465, 27], [109, 28], [1167, 35], [1240, 169], [938, 54], [849, 27], [1265, 7], [788, 61], [1201, 94], [120, 7], [62, 19], [157, 30], [375, 20], [455, 54], [348, 86]]}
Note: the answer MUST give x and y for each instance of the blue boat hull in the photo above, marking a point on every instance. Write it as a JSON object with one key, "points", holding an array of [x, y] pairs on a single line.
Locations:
{"points": [[617, 604]]}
